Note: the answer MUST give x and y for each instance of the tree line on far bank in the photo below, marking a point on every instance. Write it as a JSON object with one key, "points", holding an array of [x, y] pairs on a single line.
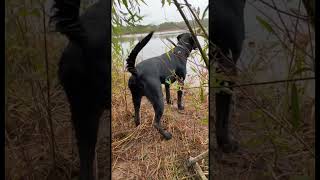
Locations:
{"points": [[166, 26]]}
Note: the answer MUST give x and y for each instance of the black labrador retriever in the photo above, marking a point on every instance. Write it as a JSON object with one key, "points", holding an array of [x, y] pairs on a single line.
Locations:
{"points": [[84, 72], [227, 33], [148, 76]]}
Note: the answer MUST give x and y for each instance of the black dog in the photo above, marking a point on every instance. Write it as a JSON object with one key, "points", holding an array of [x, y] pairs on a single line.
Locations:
{"points": [[227, 33], [148, 76], [84, 72]]}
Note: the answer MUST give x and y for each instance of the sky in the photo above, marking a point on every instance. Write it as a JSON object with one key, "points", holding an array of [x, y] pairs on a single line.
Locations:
{"points": [[156, 14]]}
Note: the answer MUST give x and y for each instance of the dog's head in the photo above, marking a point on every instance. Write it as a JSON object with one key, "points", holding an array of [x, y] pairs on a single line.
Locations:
{"points": [[187, 41]]}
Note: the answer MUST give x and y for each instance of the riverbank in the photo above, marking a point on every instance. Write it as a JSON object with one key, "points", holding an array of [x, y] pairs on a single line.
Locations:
{"points": [[163, 27]]}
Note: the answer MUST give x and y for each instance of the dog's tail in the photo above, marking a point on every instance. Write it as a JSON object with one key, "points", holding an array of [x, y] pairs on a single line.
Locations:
{"points": [[67, 22], [131, 60]]}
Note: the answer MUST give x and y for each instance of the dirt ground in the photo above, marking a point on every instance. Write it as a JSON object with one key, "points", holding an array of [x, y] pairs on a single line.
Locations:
{"points": [[141, 153], [266, 151]]}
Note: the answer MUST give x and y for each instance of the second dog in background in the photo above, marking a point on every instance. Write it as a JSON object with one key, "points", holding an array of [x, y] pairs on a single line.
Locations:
{"points": [[148, 76]]}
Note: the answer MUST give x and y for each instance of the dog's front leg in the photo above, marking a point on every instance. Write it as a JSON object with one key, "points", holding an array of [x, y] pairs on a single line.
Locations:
{"points": [[180, 92], [168, 97]]}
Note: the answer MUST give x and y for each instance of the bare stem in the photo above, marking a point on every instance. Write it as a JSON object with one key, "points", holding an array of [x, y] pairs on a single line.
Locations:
{"points": [[52, 143], [206, 60]]}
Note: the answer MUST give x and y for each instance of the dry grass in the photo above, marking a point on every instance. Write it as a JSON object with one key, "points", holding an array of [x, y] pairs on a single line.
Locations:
{"points": [[141, 153], [28, 154], [27, 132], [266, 150]]}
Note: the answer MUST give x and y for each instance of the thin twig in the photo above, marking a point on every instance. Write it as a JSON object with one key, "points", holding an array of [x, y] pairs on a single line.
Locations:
{"points": [[52, 143], [278, 121], [197, 19], [198, 169], [277, 36], [284, 12], [206, 60], [193, 160], [171, 42], [294, 44], [258, 83]]}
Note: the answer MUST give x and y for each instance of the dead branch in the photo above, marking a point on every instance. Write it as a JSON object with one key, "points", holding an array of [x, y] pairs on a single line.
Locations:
{"points": [[198, 169], [198, 158]]}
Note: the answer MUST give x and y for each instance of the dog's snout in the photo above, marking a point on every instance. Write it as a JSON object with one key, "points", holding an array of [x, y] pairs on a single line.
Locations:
{"points": [[194, 44]]}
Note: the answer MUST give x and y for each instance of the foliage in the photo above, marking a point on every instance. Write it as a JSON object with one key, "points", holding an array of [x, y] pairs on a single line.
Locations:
{"points": [[27, 133]]}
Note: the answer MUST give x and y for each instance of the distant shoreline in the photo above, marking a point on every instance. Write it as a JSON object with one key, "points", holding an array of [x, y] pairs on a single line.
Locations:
{"points": [[155, 30], [163, 32], [163, 27]]}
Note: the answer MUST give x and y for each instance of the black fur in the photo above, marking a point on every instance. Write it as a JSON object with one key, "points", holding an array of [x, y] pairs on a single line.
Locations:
{"points": [[227, 33], [148, 76], [84, 72], [131, 60]]}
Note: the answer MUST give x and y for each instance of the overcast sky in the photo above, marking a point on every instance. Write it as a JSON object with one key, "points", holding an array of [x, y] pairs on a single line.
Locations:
{"points": [[156, 14]]}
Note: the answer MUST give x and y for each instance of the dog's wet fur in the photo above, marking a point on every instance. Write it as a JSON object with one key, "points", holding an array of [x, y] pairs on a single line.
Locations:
{"points": [[149, 75]]}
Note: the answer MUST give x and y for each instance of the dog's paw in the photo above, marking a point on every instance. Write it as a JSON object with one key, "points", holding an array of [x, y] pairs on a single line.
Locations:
{"points": [[137, 122], [180, 107], [167, 135]]}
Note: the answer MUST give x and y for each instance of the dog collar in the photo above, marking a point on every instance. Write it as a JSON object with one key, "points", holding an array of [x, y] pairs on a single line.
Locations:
{"points": [[184, 48], [179, 54]]}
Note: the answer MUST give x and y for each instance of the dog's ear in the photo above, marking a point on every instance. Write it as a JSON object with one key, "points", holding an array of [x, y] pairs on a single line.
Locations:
{"points": [[179, 37]]}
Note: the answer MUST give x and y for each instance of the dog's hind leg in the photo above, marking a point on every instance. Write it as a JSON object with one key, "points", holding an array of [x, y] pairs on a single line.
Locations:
{"points": [[158, 107], [224, 105], [86, 122], [180, 106], [168, 97], [223, 115], [154, 94], [136, 93], [136, 98]]}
